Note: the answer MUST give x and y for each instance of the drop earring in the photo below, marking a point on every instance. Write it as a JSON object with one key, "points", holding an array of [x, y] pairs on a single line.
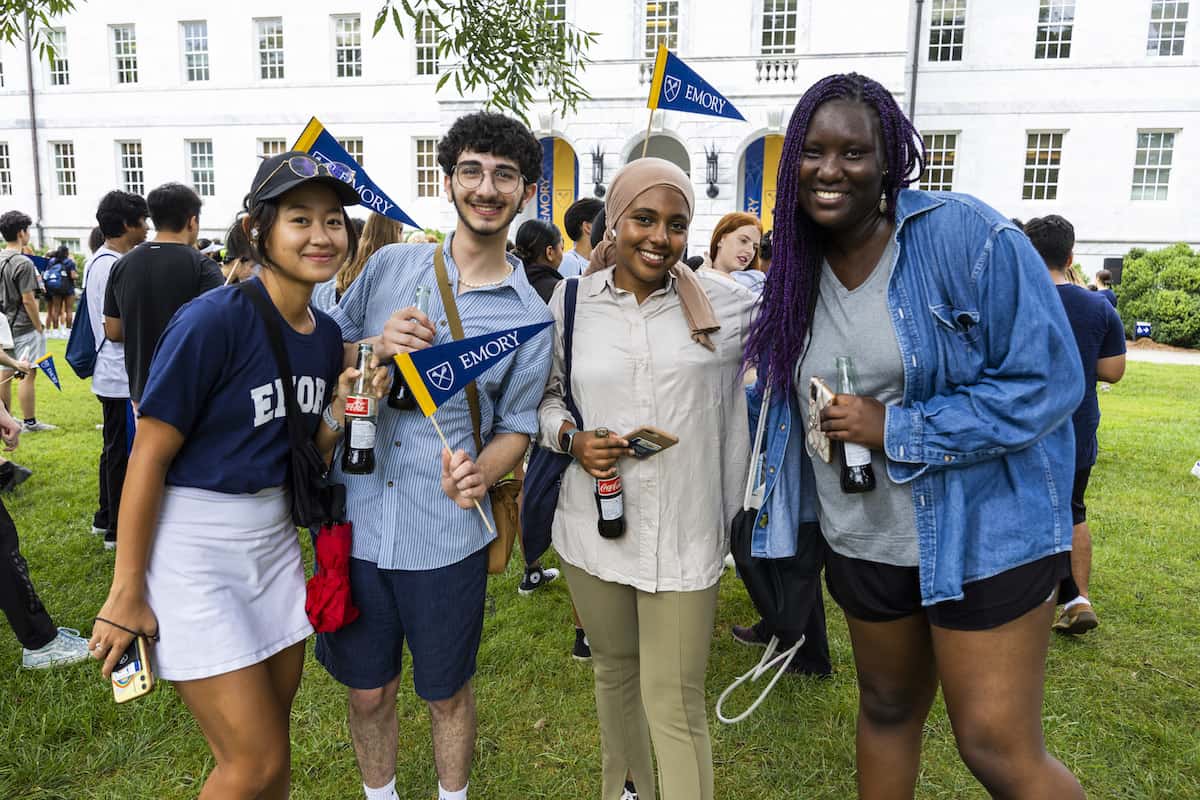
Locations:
{"points": [[883, 204]]}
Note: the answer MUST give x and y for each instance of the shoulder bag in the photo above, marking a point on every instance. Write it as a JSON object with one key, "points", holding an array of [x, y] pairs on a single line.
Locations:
{"points": [[543, 476], [315, 499], [782, 589]]}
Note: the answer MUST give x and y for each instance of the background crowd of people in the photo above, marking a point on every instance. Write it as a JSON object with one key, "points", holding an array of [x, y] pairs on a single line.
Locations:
{"points": [[974, 398]]}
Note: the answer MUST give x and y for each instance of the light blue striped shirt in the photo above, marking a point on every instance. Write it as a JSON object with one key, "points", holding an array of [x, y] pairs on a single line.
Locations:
{"points": [[402, 519], [573, 265]]}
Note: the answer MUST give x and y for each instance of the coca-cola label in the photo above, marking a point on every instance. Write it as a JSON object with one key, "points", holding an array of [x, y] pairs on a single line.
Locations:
{"points": [[360, 406], [612, 504]]}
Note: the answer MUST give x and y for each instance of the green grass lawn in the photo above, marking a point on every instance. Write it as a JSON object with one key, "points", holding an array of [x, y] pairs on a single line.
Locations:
{"points": [[1122, 703]]}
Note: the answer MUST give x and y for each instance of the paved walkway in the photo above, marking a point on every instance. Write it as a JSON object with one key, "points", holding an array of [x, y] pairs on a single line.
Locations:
{"points": [[1164, 356]]}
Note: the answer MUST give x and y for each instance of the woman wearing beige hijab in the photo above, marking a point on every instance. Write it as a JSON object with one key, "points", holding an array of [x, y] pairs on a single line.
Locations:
{"points": [[654, 345]]}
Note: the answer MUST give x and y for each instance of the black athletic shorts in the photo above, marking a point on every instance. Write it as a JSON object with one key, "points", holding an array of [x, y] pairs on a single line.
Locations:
{"points": [[875, 592], [1078, 507]]}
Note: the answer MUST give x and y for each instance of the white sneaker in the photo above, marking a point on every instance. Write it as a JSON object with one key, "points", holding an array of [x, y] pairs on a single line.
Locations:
{"points": [[37, 426], [1196, 469], [66, 648]]}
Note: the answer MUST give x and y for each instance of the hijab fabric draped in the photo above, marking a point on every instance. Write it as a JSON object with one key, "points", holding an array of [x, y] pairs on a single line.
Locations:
{"points": [[630, 182]]}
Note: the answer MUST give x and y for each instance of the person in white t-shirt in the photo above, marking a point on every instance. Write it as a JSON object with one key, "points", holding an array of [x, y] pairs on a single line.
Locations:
{"points": [[578, 224], [122, 218]]}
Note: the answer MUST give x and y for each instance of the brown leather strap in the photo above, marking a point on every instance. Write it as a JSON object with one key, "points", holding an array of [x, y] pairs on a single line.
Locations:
{"points": [[456, 330]]}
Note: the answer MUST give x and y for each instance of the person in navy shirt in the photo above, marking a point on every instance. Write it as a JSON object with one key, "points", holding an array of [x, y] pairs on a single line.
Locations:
{"points": [[1101, 339], [209, 559]]}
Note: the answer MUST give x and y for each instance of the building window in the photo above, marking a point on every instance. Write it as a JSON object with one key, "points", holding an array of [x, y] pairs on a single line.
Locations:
{"points": [[64, 168], [429, 175], [270, 48], [124, 49], [354, 147], [778, 27], [200, 155], [60, 71], [70, 244], [1, 74], [1056, 20], [347, 46], [426, 41], [1152, 165], [133, 175], [940, 150], [271, 147], [195, 50], [1043, 156], [662, 26], [5, 170], [947, 29], [1168, 27]]}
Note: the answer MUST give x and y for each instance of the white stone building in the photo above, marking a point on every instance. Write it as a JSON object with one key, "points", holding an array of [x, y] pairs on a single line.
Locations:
{"points": [[1072, 114]]}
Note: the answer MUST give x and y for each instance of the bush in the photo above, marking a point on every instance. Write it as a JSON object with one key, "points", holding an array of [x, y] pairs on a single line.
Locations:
{"points": [[1162, 287]]}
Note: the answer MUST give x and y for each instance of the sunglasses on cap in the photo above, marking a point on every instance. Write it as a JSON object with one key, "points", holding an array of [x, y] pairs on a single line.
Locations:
{"points": [[305, 167]]}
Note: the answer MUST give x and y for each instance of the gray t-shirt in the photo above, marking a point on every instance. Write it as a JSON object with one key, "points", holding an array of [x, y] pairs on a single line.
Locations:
{"points": [[879, 525], [17, 276]]}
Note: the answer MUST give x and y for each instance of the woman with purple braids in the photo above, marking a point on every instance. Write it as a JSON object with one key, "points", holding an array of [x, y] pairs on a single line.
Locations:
{"points": [[967, 374]]}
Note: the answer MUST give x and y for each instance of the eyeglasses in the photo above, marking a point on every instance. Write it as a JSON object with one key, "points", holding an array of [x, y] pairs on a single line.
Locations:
{"points": [[305, 167], [470, 176]]}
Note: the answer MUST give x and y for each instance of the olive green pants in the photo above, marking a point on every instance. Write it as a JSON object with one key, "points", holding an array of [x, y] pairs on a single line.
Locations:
{"points": [[649, 654]]}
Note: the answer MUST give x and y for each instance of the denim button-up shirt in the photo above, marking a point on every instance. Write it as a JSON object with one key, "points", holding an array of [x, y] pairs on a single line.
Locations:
{"points": [[991, 377]]}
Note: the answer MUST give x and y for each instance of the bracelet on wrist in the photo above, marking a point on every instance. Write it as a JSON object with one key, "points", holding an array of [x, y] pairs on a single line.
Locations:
{"points": [[330, 420]]}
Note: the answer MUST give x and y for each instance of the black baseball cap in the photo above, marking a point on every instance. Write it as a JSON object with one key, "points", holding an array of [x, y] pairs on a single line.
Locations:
{"points": [[284, 172]]}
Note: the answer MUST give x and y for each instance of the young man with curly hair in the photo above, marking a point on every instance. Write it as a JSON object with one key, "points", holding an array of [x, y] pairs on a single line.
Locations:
{"points": [[419, 561]]}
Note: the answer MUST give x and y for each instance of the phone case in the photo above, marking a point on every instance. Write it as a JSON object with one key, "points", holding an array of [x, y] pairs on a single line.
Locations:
{"points": [[646, 441], [815, 440], [132, 677]]}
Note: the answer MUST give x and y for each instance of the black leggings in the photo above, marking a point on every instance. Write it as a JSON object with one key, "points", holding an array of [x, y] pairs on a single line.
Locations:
{"points": [[30, 622]]}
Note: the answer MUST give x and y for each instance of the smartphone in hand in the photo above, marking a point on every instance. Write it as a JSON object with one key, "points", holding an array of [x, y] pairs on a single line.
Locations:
{"points": [[646, 441], [132, 677], [815, 440]]}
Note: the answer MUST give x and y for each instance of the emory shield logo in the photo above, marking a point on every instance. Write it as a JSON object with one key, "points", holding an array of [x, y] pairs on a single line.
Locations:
{"points": [[441, 376], [673, 86]]}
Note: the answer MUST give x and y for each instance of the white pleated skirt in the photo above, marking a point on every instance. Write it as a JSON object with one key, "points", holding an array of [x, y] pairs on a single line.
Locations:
{"points": [[226, 581]]}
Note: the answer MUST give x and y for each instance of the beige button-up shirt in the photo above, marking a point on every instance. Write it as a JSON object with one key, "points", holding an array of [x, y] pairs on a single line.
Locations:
{"points": [[637, 365]]}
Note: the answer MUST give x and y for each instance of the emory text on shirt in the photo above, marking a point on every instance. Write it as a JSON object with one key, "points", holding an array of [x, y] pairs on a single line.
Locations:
{"points": [[269, 404]]}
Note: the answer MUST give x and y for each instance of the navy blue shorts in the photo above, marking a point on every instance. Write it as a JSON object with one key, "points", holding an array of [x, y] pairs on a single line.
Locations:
{"points": [[438, 611]]}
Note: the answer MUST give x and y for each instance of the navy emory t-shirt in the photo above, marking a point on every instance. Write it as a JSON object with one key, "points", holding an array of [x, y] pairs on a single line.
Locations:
{"points": [[213, 377], [1099, 334]]}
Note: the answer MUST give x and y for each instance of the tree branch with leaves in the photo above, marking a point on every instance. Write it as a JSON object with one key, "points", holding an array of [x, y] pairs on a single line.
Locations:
{"points": [[513, 48], [40, 15]]}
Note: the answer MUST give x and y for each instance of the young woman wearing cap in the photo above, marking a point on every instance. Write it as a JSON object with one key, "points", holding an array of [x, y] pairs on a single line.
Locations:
{"points": [[654, 344], [209, 559]]}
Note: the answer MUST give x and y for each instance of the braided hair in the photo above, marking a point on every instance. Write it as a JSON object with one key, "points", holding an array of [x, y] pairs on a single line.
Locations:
{"points": [[779, 332]]}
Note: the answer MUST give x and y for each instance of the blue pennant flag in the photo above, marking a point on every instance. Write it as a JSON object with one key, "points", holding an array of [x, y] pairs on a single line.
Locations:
{"points": [[318, 143], [677, 87], [39, 262], [46, 363], [436, 374]]}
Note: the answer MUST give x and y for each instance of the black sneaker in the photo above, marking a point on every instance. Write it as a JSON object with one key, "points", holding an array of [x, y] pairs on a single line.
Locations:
{"points": [[582, 651], [753, 636], [110, 540], [630, 791], [535, 578]]}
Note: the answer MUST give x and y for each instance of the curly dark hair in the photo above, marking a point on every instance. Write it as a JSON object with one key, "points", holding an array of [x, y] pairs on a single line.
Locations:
{"points": [[119, 209], [1054, 239], [487, 132]]}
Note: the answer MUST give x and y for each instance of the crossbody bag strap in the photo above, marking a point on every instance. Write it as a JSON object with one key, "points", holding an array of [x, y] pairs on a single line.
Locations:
{"points": [[257, 294], [570, 300], [755, 454], [456, 330]]}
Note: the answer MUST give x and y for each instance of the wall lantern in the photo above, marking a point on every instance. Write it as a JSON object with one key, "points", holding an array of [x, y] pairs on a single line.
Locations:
{"points": [[598, 171], [712, 171]]}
